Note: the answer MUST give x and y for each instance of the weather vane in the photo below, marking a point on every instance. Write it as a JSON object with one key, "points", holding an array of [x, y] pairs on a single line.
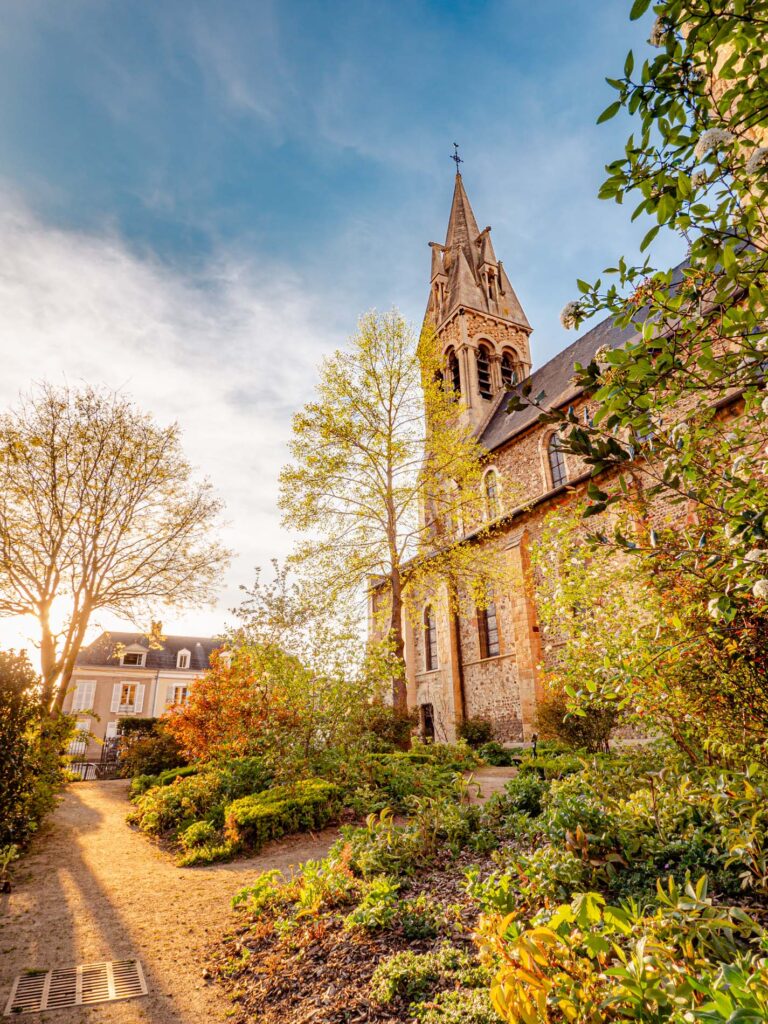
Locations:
{"points": [[456, 158]]}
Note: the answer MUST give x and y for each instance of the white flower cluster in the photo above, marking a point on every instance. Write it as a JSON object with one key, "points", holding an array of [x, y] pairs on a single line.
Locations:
{"points": [[738, 462], [760, 590], [764, 406], [699, 179], [713, 610], [755, 555], [659, 32], [711, 139], [758, 162], [600, 358], [570, 315]]}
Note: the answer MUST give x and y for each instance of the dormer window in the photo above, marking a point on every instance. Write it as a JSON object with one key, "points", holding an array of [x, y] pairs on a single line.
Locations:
{"points": [[182, 659], [137, 659], [483, 358]]}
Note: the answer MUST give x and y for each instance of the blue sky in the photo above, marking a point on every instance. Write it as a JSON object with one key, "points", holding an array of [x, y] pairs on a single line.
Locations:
{"points": [[198, 199]]}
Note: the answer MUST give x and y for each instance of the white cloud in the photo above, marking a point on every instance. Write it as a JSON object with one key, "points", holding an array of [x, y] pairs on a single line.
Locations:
{"points": [[229, 351]]}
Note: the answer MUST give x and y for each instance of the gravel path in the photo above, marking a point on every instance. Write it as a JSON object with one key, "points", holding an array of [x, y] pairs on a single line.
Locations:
{"points": [[92, 889]]}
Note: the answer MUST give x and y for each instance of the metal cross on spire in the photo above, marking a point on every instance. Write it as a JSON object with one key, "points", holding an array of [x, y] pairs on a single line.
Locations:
{"points": [[456, 158]]}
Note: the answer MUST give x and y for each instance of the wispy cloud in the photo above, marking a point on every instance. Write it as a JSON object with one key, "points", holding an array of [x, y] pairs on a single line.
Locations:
{"points": [[229, 352]]}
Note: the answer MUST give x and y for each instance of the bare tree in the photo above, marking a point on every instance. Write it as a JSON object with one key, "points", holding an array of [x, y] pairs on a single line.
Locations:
{"points": [[98, 510]]}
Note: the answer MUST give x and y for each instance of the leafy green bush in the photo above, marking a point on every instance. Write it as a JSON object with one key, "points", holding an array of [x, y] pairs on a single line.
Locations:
{"points": [[148, 752], [555, 767], [590, 730], [201, 833], [475, 731], [253, 820], [494, 754], [523, 794], [31, 769], [684, 959], [193, 794]]}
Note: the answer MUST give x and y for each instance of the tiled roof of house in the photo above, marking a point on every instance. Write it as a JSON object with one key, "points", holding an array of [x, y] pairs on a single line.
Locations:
{"points": [[102, 650], [553, 378]]}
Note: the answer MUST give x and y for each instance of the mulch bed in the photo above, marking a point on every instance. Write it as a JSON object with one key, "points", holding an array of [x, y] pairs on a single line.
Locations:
{"points": [[321, 972]]}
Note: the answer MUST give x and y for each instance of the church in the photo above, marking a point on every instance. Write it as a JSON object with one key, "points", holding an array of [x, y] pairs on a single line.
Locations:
{"points": [[488, 665]]}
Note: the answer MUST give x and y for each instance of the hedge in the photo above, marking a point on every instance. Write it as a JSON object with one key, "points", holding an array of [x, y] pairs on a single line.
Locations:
{"points": [[253, 820]]}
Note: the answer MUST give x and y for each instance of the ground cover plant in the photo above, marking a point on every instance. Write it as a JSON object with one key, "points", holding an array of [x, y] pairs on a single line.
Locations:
{"points": [[634, 887]]}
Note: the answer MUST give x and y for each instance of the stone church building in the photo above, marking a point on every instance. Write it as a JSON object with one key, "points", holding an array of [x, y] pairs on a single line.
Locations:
{"points": [[487, 665]]}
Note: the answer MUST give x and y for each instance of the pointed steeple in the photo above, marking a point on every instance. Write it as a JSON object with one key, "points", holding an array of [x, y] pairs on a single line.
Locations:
{"points": [[465, 271], [462, 226]]}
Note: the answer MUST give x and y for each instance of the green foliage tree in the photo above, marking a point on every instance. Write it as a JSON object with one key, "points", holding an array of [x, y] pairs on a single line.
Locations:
{"points": [[383, 473], [98, 510], [698, 165]]}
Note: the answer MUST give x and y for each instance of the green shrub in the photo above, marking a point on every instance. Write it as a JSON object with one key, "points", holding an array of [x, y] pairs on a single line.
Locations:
{"points": [[148, 752], [589, 731], [185, 795], [31, 768], [475, 731], [254, 820], [201, 833], [494, 754], [555, 767], [522, 795]]}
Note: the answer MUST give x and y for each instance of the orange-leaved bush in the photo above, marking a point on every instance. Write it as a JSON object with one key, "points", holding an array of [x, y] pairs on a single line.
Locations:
{"points": [[240, 706]]}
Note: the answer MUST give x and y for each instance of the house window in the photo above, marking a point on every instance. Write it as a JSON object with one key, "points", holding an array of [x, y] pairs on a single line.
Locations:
{"points": [[483, 359], [182, 659], [84, 696], [454, 375], [508, 371], [488, 630], [127, 697], [133, 658], [430, 639], [492, 503], [79, 742], [180, 694], [556, 461]]}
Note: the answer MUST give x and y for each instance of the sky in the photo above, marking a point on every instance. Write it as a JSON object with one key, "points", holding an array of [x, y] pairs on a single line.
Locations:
{"points": [[198, 200]]}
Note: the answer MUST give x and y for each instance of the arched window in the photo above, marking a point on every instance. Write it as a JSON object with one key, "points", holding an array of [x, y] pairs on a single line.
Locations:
{"points": [[430, 639], [454, 376], [508, 369], [556, 461], [483, 358], [488, 631], [492, 502]]}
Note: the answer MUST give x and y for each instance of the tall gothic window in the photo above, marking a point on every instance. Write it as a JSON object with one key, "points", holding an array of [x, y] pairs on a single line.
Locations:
{"points": [[484, 372], [492, 502], [556, 461], [430, 639], [454, 376], [488, 631], [508, 370]]}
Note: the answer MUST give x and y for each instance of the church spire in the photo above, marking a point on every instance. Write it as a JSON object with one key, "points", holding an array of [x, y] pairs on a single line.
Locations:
{"points": [[480, 326], [465, 270]]}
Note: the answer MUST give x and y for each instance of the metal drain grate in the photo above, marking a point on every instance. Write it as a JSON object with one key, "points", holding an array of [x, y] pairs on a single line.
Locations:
{"points": [[76, 986]]}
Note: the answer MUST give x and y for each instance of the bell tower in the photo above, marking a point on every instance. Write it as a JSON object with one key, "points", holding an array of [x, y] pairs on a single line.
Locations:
{"points": [[481, 329]]}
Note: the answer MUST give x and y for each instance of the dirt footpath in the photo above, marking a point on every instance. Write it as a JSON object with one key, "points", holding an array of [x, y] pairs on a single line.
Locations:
{"points": [[93, 889]]}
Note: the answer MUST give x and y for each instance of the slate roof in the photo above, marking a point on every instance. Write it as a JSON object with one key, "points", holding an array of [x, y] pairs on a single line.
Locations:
{"points": [[553, 377], [101, 651]]}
